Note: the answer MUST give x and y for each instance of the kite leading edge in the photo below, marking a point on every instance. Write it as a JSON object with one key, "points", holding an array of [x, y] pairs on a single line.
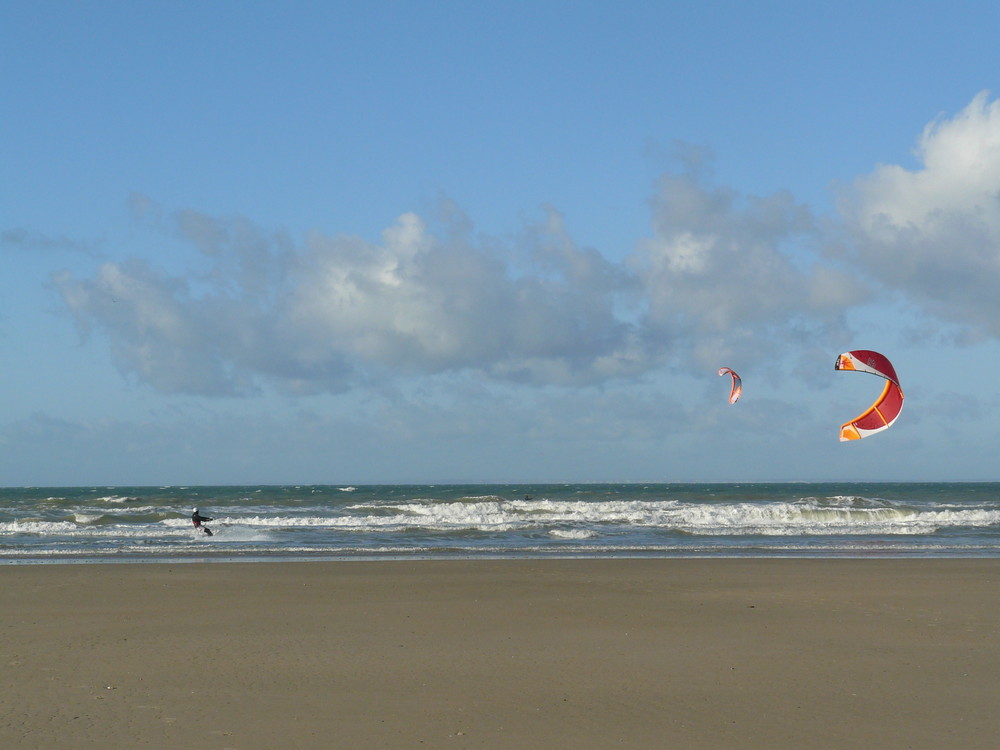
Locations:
{"points": [[887, 406], [737, 390]]}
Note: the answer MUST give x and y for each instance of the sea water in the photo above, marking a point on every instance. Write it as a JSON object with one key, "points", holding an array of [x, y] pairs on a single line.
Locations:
{"points": [[118, 524]]}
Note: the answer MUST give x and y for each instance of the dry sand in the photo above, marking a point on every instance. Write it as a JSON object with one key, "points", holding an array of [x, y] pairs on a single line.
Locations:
{"points": [[502, 654]]}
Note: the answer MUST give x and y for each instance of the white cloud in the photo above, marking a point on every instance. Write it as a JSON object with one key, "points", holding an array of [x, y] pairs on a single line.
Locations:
{"points": [[723, 270], [317, 318], [934, 232], [421, 302], [722, 278], [159, 331]]}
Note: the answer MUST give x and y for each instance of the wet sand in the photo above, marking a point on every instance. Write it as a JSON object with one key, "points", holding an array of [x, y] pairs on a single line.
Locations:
{"points": [[502, 654]]}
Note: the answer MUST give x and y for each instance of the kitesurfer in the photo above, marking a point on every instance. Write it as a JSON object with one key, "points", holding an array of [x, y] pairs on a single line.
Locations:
{"points": [[197, 519]]}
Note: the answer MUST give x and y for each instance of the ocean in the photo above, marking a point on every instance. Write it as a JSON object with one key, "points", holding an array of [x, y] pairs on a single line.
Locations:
{"points": [[153, 524]]}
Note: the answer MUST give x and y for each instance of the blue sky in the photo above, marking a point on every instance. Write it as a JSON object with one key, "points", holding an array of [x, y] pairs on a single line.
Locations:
{"points": [[437, 242]]}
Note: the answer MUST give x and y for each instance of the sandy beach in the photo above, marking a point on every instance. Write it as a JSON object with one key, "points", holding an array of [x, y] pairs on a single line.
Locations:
{"points": [[502, 654]]}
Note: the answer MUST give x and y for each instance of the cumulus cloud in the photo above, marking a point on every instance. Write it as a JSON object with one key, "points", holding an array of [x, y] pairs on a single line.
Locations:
{"points": [[420, 302], [723, 275], [161, 332], [933, 233], [723, 271], [339, 308]]}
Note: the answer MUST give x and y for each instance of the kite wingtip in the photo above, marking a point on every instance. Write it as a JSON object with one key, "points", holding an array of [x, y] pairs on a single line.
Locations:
{"points": [[844, 362], [849, 432]]}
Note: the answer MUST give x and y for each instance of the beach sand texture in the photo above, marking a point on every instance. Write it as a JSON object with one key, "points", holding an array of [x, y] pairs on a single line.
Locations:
{"points": [[508, 654]]}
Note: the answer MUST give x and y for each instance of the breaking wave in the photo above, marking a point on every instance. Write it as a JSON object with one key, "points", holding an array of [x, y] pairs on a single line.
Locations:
{"points": [[612, 519]]}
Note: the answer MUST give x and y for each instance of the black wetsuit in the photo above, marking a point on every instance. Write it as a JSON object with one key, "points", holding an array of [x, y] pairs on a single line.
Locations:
{"points": [[197, 519]]}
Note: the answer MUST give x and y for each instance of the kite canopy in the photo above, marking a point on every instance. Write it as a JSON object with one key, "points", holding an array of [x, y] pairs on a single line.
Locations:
{"points": [[737, 391], [887, 406]]}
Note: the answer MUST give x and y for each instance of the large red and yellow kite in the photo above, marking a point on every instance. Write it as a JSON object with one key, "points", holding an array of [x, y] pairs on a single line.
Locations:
{"points": [[889, 404]]}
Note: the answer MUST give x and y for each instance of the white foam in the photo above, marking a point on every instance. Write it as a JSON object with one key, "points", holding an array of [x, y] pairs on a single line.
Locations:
{"points": [[846, 515], [656, 521], [85, 530], [37, 527], [572, 534], [842, 515]]}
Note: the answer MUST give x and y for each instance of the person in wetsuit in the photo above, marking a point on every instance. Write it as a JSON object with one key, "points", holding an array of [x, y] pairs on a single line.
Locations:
{"points": [[197, 519]]}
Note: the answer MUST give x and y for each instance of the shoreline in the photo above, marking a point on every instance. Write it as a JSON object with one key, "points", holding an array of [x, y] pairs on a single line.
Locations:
{"points": [[484, 653], [258, 559]]}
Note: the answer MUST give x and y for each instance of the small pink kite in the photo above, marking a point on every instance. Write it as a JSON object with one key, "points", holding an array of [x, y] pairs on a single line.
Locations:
{"points": [[737, 391]]}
